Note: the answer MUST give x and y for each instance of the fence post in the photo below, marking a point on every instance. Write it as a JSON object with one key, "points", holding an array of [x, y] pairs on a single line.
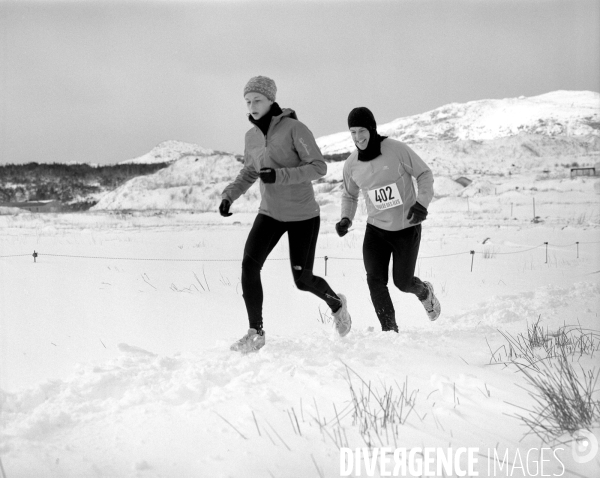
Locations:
{"points": [[35, 254], [546, 252], [326, 258], [472, 259], [577, 249]]}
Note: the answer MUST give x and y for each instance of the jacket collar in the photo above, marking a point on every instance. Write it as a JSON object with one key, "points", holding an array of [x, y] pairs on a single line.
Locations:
{"points": [[272, 117]]}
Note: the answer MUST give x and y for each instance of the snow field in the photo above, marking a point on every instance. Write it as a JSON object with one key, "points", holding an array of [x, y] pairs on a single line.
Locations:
{"points": [[115, 367]]}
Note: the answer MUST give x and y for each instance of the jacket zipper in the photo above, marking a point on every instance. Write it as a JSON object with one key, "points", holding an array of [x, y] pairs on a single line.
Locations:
{"points": [[266, 135]]}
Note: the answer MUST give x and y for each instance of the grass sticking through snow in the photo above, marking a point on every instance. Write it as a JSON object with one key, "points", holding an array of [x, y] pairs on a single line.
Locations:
{"points": [[565, 397]]}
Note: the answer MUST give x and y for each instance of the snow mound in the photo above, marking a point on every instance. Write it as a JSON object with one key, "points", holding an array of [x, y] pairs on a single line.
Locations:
{"points": [[550, 302], [192, 183]]}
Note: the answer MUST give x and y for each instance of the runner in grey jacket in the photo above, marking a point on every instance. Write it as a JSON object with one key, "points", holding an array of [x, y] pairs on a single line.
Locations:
{"points": [[283, 154], [290, 149], [383, 169]]}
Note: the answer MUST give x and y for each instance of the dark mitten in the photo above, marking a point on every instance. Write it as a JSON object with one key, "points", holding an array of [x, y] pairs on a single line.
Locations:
{"points": [[342, 227], [416, 214], [224, 208], [267, 175]]}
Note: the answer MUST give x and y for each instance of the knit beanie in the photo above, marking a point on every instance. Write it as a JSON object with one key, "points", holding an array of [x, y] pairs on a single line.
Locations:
{"points": [[263, 85]]}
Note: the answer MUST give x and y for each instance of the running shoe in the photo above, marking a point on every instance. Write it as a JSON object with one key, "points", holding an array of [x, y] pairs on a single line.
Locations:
{"points": [[250, 342]]}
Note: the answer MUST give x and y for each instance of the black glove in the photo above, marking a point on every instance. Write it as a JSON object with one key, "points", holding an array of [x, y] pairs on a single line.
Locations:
{"points": [[416, 214], [267, 175], [342, 227], [224, 208]]}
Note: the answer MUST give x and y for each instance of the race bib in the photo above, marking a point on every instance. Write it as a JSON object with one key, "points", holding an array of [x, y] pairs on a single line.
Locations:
{"points": [[385, 197]]}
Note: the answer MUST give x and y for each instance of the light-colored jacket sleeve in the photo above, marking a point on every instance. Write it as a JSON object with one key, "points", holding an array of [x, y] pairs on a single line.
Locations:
{"points": [[314, 166], [246, 178], [418, 169], [349, 194]]}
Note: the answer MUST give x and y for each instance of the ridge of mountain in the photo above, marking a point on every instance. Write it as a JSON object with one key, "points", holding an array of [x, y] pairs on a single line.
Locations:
{"points": [[169, 151]]}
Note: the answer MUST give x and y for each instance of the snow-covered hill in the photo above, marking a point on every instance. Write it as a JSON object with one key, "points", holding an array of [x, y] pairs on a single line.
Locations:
{"points": [[511, 154], [169, 151], [559, 113], [194, 182]]}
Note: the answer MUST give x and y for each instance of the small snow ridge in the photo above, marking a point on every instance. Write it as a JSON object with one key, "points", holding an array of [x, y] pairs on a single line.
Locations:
{"points": [[135, 350], [548, 302]]}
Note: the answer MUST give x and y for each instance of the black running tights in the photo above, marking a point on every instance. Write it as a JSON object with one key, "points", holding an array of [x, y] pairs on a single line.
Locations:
{"points": [[379, 246], [263, 237]]}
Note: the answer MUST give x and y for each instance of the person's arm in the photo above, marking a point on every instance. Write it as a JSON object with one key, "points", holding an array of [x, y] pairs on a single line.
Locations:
{"points": [[313, 167], [349, 194], [418, 169], [246, 178]]}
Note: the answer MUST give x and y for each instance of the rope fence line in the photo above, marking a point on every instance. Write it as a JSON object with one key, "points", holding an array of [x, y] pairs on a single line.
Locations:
{"points": [[444, 255], [515, 252], [485, 253], [139, 258]]}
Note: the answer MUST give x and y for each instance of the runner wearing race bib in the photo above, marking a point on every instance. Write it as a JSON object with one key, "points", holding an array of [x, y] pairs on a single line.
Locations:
{"points": [[383, 170]]}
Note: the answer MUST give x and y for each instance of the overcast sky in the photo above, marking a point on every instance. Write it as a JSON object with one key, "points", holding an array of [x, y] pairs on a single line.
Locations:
{"points": [[101, 82]]}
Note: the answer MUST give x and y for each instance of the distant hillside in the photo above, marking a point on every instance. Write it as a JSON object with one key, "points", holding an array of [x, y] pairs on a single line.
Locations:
{"points": [[80, 186], [77, 185]]}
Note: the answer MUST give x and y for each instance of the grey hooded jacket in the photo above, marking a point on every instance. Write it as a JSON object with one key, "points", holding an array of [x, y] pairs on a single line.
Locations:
{"points": [[290, 148]]}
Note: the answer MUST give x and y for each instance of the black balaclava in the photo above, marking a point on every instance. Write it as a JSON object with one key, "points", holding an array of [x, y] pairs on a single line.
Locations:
{"points": [[363, 117], [264, 121]]}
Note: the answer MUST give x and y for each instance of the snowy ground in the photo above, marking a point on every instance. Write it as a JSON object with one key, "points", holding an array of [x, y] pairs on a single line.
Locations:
{"points": [[115, 356]]}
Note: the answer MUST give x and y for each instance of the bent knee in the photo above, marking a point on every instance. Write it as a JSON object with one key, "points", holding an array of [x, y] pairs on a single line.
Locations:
{"points": [[407, 286], [374, 280], [302, 277], [250, 265]]}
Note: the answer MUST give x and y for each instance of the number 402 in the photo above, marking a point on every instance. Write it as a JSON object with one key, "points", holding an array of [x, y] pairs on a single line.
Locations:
{"points": [[384, 194]]}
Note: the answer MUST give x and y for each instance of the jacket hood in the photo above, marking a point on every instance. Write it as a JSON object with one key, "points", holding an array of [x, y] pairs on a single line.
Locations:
{"points": [[285, 113], [289, 113]]}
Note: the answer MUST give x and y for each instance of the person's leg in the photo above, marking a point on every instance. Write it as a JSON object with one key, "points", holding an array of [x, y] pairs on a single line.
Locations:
{"points": [[376, 256], [263, 237], [406, 249], [405, 244], [302, 237]]}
